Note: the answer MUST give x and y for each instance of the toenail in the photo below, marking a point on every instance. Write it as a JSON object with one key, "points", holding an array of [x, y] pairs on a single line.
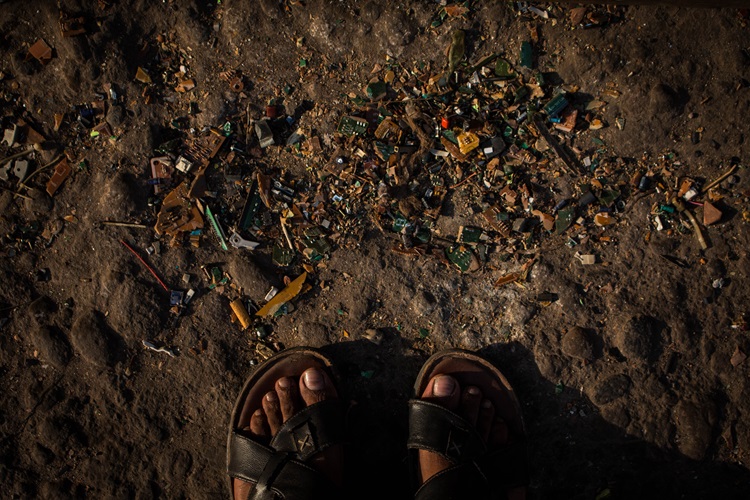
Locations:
{"points": [[314, 380], [486, 403], [473, 391], [258, 412], [284, 383], [443, 386], [271, 396]]}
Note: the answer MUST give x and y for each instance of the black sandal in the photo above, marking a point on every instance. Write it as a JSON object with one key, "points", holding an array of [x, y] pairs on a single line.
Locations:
{"points": [[279, 470], [476, 472]]}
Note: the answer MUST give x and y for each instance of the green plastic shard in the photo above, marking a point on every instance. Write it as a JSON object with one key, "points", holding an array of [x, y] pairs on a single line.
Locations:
{"points": [[469, 235], [316, 241], [352, 125], [423, 234], [217, 229], [503, 71], [251, 207], [608, 197], [377, 90], [564, 219], [457, 50], [282, 256], [556, 104], [462, 257], [399, 222], [527, 55]]}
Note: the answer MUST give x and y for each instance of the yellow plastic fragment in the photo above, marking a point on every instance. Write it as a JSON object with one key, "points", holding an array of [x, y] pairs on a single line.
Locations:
{"points": [[240, 311], [142, 76], [284, 296], [467, 142]]}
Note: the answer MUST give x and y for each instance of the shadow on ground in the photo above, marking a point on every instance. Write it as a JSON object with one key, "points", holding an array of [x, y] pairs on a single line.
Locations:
{"points": [[593, 455]]}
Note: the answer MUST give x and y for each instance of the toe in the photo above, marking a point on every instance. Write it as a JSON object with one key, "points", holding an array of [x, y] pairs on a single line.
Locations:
{"points": [[289, 400], [485, 419], [259, 425], [443, 390], [315, 386], [272, 409], [499, 432], [471, 400]]}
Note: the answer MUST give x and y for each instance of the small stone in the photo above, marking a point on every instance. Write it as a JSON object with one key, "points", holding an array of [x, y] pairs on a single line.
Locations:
{"points": [[577, 343], [738, 357], [711, 214], [694, 428], [636, 338], [374, 336]]}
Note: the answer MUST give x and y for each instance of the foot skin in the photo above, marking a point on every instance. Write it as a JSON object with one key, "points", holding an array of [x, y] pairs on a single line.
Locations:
{"points": [[470, 404], [290, 396]]}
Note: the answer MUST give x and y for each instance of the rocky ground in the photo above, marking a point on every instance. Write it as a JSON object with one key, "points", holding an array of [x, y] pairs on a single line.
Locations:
{"points": [[631, 370]]}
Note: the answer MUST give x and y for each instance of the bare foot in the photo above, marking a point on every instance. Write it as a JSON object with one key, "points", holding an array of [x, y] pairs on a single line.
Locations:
{"points": [[290, 396], [470, 404]]}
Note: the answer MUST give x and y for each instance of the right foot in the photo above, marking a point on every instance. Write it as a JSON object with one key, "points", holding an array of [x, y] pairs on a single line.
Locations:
{"points": [[470, 403], [291, 394]]}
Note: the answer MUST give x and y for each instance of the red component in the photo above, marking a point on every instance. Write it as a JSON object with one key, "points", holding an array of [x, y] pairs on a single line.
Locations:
{"points": [[272, 111], [445, 122]]}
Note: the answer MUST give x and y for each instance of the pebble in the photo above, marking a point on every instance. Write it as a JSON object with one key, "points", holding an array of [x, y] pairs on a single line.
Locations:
{"points": [[374, 336], [694, 428], [577, 343], [730, 181], [636, 339]]}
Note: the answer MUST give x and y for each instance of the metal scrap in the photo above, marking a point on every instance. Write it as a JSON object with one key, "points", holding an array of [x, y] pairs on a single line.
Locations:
{"points": [[153, 347], [62, 172]]}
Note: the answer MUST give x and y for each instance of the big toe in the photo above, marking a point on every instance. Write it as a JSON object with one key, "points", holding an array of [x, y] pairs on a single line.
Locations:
{"points": [[443, 390], [315, 386]]}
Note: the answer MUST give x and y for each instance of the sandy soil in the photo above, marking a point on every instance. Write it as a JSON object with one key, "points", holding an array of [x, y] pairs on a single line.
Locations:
{"points": [[630, 374]]}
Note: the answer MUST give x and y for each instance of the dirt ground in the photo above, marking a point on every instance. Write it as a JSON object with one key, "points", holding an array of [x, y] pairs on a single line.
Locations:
{"points": [[630, 371]]}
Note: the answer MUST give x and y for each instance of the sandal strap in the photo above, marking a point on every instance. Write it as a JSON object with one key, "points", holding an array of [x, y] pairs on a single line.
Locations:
{"points": [[490, 477], [476, 473], [311, 430], [456, 483], [437, 429], [278, 470]]}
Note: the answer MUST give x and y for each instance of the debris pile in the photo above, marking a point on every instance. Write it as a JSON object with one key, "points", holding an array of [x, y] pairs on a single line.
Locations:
{"points": [[518, 146]]}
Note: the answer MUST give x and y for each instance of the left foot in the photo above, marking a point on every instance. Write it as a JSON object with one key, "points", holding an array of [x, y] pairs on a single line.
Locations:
{"points": [[290, 395]]}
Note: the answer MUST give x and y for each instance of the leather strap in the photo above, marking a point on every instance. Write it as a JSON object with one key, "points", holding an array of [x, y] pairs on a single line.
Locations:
{"points": [[456, 483], [311, 430], [476, 473], [437, 429]]}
